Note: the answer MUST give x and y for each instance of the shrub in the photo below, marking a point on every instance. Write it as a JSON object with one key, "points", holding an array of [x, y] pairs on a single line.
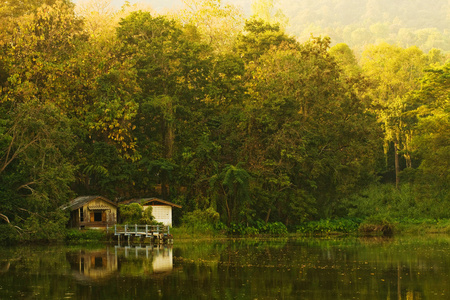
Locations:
{"points": [[378, 224], [276, 228], [250, 231], [384, 199], [130, 213], [46, 227], [147, 217], [75, 235], [203, 220], [326, 226], [237, 229]]}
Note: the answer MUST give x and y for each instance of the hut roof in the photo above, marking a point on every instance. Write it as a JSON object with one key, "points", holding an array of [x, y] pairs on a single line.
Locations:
{"points": [[150, 201], [80, 201]]}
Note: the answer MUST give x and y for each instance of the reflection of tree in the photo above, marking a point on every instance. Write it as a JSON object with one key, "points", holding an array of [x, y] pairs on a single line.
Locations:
{"points": [[319, 268], [4, 266]]}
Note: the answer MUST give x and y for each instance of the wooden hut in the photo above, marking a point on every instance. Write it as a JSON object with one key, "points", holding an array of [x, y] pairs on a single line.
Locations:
{"points": [[92, 211], [161, 209]]}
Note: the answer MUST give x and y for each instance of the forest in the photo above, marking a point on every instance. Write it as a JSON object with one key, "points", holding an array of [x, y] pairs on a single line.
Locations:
{"points": [[225, 115]]}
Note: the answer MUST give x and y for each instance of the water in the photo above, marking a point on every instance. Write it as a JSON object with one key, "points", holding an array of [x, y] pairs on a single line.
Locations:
{"points": [[331, 268]]}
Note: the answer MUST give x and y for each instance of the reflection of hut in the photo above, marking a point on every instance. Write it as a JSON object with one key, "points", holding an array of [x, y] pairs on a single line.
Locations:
{"points": [[93, 265], [159, 257], [163, 260], [92, 211], [161, 209]]}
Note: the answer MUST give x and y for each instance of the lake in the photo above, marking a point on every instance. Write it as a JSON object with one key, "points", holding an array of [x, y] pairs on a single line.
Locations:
{"points": [[281, 268]]}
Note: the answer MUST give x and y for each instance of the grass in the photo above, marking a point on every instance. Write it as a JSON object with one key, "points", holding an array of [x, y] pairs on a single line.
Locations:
{"points": [[424, 226], [184, 232], [86, 235], [375, 225]]}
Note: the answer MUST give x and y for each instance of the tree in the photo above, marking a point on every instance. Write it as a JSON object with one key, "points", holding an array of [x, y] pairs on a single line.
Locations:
{"points": [[130, 213], [265, 10], [216, 23], [35, 172], [171, 66], [36, 134], [430, 104], [38, 53], [258, 37], [346, 59], [394, 72], [297, 111], [233, 184]]}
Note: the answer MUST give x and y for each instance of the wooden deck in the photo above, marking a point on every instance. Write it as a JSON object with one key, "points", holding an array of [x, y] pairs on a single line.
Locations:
{"points": [[159, 233]]}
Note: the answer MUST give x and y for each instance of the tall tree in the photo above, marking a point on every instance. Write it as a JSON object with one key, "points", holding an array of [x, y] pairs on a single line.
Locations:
{"points": [[258, 37], [297, 112], [430, 107], [217, 23], [267, 11], [346, 59], [36, 134], [170, 65], [394, 72], [233, 194]]}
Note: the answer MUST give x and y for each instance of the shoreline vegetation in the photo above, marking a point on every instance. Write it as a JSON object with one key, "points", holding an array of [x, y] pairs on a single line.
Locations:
{"points": [[370, 227]]}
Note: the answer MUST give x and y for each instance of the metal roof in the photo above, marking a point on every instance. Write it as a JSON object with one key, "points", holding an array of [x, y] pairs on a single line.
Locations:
{"points": [[80, 201], [147, 201]]}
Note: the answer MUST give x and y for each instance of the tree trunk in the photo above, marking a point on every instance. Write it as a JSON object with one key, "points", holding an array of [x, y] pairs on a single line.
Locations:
{"points": [[397, 165], [170, 137], [228, 211], [268, 215]]}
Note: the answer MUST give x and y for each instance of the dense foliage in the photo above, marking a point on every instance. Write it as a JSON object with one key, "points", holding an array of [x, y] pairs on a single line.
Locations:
{"points": [[252, 128]]}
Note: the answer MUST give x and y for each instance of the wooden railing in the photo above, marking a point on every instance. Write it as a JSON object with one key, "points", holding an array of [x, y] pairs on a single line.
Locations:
{"points": [[141, 230]]}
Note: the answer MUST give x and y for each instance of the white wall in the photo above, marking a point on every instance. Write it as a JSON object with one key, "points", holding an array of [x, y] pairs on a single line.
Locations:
{"points": [[162, 213]]}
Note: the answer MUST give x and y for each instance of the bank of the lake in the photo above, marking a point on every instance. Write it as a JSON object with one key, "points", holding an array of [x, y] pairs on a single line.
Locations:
{"points": [[377, 226]]}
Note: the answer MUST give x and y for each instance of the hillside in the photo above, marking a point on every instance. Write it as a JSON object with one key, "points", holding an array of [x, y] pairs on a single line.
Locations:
{"points": [[362, 22], [357, 23]]}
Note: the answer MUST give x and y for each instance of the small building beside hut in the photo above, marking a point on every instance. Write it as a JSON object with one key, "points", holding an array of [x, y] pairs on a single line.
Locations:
{"points": [[92, 211], [161, 209]]}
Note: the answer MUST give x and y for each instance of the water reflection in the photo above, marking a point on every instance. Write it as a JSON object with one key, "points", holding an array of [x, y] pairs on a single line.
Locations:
{"points": [[350, 268], [161, 255], [99, 265], [93, 265]]}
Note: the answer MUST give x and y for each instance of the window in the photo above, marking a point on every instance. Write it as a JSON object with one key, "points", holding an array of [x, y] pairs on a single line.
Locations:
{"points": [[97, 216], [98, 262], [81, 215]]}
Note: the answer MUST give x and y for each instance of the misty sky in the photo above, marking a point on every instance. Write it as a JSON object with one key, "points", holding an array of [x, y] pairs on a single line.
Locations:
{"points": [[161, 5], [155, 4]]}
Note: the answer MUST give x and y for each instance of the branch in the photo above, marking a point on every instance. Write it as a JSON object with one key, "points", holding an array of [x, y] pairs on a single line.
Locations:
{"points": [[32, 213], [5, 218], [19, 230], [18, 151], [323, 148], [27, 185]]}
